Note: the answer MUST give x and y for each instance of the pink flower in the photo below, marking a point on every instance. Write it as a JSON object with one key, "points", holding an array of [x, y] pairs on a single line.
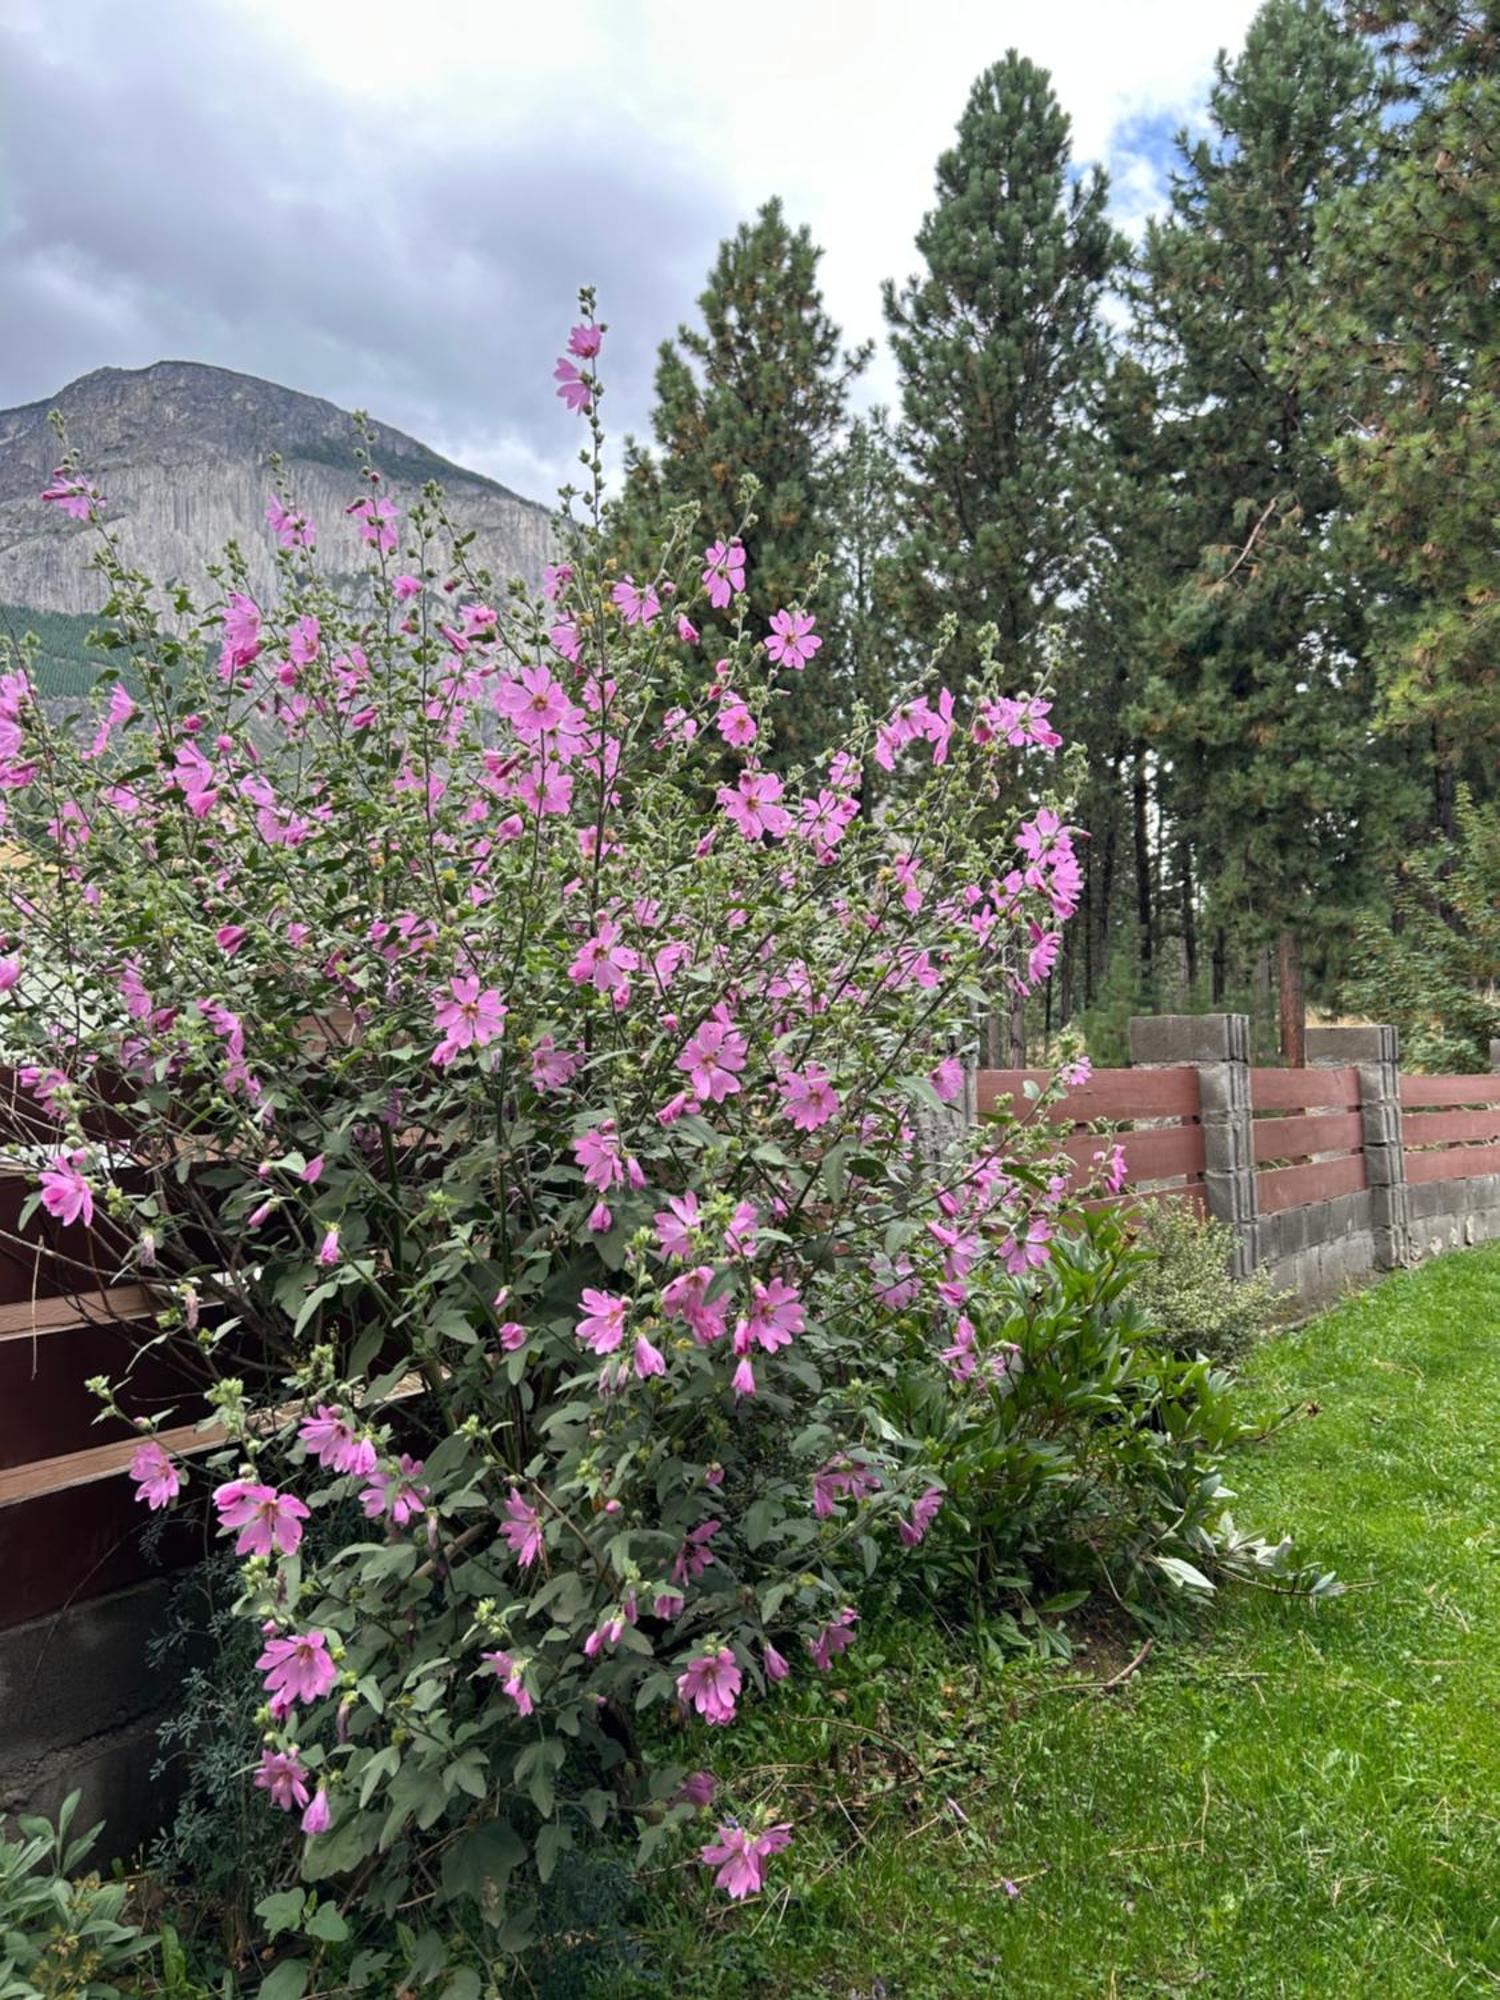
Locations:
{"points": [[312, 1173], [284, 1776], [555, 579], [603, 962], [923, 1514], [791, 641], [467, 1018], [406, 587], [513, 1336], [1074, 1075], [398, 1494], [713, 1056], [697, 1789], [598, 1154], [687, 631], [638, 603], [74, 497], [522, 1530], [377, 522], [836, 1637], [808, 1098], [695, 1555], [1027, 1250], [1042, 956], [947, 1079], [333, 1441], [711, 1684], [723, 572], [328, 1249], [600, 1221], [740, 1856], [775, 1665], [10, 972], [775, 1315], [754, 806], [229, 938], [267, 1520], [572, 388], [736, 724], [294, 530], [602, 1327], [66, 1195], [742, 1381], [648, 1359], [506, 1670], [677, 1225], [155, 1475], [317, 1817], [1116, 1172], [551, 1067], [297, 1668], [585, 341]]}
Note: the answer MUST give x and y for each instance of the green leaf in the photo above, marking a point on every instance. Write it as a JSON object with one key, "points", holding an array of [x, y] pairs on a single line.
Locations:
{"points": [[326, 1923], [1183, 1574], [288, 1982], [281, 1912], [481, 1859], [464, 1985], [553, 1840]]}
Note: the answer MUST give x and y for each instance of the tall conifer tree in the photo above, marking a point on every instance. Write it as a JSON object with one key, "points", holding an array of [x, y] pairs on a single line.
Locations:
{"points": [[1000, 352], [1262, 705], [761, 387]]}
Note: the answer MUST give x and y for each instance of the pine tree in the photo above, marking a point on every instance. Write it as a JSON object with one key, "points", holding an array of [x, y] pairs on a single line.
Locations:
{"points": [[1261, 707], [1000, 353], [1402, 339], [761, 387]]}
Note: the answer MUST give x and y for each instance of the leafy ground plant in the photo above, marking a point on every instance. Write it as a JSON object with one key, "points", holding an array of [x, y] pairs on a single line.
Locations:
{"points": [[64, 1935]]}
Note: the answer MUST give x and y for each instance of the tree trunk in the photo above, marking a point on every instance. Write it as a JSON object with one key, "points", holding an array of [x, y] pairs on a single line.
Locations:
{"points": [[1189, 921], [1219, 973], [1292, 1001], [1142, 866], [1018, 1031]]}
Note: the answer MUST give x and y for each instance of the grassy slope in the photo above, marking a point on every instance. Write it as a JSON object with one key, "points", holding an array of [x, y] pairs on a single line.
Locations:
{"points": [[1301, 1804]]}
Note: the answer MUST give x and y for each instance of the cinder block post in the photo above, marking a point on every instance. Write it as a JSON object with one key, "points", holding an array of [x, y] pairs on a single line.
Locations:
{"points": [[1495, 1055], [1375, 1051], [1218, 1047]]}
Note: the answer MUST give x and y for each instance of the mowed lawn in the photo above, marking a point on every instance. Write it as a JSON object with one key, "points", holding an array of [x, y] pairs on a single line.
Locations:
{"points": [[1295, 1802]]}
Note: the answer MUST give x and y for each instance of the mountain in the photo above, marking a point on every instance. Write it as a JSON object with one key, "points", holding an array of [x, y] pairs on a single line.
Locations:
{"points": [[180, 452]]}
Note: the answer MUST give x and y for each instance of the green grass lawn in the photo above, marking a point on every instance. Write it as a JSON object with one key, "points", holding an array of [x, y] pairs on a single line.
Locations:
{"points": [[1298, 1801]]}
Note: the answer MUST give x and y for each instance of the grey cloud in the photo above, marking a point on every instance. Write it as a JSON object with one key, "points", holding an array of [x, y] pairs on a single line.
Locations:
{"points": [[173, 189]]}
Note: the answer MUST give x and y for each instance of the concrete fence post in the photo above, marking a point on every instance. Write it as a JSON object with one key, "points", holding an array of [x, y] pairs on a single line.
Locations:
{"points": [[1495, 1055], [1218, 1047], [1375, 1052]]}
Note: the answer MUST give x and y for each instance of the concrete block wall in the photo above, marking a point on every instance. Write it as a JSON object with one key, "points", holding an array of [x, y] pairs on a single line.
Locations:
{"points": [[1321, 1247], [79, 1710]]}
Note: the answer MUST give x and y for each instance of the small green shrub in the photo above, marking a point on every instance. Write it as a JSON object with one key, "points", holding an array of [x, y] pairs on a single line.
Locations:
{"points": [[1077, 1455], [63, 1936], [1184, 1291]]}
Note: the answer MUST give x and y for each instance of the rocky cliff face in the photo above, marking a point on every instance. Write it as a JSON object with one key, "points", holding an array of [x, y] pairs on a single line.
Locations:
{"points": [[180, 452]]}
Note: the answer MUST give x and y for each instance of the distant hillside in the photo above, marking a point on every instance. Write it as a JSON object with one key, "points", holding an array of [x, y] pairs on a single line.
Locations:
{"points": [[180, 451]]}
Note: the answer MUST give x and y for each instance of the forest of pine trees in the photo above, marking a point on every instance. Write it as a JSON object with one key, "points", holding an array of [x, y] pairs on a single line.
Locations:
{"points": [[1233, 491]]}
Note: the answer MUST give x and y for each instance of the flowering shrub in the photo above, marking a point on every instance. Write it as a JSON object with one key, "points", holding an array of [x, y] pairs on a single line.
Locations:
{"points": [[537, 1117]]}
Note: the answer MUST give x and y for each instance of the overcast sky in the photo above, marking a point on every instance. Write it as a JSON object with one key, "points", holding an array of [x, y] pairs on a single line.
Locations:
{"points": [[392, 202]]}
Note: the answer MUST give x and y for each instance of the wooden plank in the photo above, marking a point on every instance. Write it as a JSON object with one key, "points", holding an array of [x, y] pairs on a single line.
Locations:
{"points": [[1418, 1090], [1192, 1193], [1296, 1187], [31, 1317], [1304, 1089], [1173, 1152], [1455, 1163], [1449, 1128], [84, 1542], [1109, 1093], [19, 1483], [1297, 1137], [47, 1407]]}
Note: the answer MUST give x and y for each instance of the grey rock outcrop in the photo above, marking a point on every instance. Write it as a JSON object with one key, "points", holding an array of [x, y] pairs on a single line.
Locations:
{"points": [[180, 452]]}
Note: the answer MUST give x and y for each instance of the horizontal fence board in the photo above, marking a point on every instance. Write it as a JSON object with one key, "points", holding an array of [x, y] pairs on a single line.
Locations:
{"points": [[1191, 1194], [1295, 1187], [1119, 1094], [1296, 1138], [1454, 1163], [32, 1317], [85, 1541], [42, 1476], [1449, 1128], [47, 1408], [1149, 1156], [1304, 1089], [1419, 1090]]}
